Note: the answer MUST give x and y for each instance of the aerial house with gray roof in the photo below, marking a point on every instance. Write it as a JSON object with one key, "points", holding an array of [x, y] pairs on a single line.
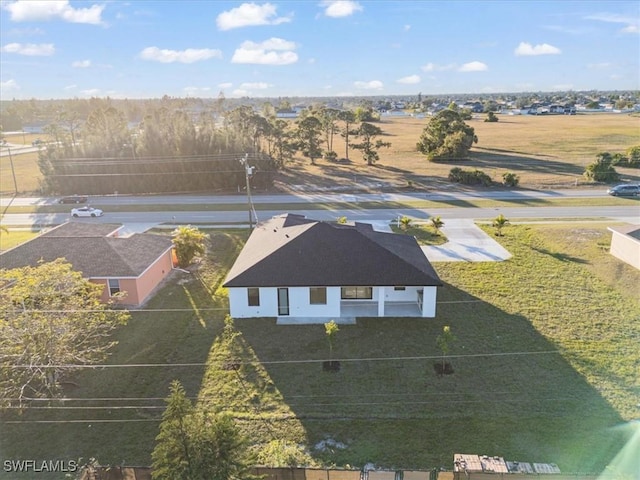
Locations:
{"points": [[298, 269]]}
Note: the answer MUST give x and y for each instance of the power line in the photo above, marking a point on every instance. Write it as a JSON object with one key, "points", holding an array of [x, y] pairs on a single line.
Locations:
{"points": [[191, 310], [286, 362]]}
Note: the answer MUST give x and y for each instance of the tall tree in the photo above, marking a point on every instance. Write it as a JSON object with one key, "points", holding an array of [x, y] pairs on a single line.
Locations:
{"points": [[348, 118], [280, 139], [309, 142], [446, 137], [328, 118], [192, 445], [51, 322], [369, 146]]}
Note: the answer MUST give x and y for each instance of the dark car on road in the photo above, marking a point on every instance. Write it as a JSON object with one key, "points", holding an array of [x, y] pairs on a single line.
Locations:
{"points": [[624, 190], [73, 199]]}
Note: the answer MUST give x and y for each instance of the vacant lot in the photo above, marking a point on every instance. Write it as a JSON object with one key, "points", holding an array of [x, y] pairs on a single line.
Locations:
{"points": [[545, 151], [546, 363]]}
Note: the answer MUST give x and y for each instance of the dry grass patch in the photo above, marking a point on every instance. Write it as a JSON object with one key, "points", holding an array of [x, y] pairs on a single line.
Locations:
{"points": [[545, 151]]}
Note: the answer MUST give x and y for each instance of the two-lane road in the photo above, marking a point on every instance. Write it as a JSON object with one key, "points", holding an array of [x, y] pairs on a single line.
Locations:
{"points": [[629, 214], [441, 195]]}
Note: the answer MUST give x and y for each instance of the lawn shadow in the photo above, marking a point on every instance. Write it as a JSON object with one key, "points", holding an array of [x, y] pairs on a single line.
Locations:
{"points": [[513, 393], [563, 257]]}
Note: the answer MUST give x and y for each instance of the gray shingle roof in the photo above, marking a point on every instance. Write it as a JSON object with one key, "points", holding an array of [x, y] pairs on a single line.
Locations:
{"points": [[94, 256], [291, 250]]}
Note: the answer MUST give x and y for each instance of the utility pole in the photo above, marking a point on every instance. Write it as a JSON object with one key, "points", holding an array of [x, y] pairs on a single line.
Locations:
{"points": [[13, 171], [248, 172]]}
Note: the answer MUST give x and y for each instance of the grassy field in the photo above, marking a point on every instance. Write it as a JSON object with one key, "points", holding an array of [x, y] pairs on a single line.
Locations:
{"points": [[546, 363], [546, 151]]}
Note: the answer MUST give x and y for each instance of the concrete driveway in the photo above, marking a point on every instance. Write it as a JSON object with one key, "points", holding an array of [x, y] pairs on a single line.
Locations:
{"points": [[467, 243]]}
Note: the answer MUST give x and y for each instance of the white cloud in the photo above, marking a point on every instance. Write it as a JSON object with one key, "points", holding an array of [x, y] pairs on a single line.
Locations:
{"points": [[407, 28], [9, 85], [526, 49], [30, 49], [190, 55], [473, 67], [598, 66], [410, 80], [192, 91], [47, 10], [340, 8], [240, 93], [631, 29], [250, 14], [371, 85], [274, 51], [92, 92], [255, 85], [632, 23], [81, 64], [71, 87], [225, 85], [433, 67]]}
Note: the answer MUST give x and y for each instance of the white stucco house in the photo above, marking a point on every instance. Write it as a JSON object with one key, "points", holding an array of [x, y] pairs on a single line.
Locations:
{"points": [[625, 244], [293, 267]]}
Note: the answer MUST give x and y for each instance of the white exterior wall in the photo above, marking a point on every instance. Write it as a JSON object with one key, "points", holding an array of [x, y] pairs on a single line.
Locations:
{"points": [[626, 248], [410, 294], [239, 303], [429, 302], [299, 305]]}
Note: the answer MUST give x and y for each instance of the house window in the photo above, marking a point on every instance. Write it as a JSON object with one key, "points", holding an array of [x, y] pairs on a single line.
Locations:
{"points": [[114, 286], [399, 289], [318, 295], [253, 297], [359, 293]]}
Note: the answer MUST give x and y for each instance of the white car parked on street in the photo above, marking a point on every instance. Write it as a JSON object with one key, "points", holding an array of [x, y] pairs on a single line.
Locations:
{"points": [[86, 212]]}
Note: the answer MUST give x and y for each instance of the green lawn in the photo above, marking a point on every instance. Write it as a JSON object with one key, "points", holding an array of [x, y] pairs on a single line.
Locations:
{"points": [[546, 363]]}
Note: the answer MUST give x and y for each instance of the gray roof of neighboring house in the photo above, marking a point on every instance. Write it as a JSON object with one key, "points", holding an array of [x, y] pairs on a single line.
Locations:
{"points": [[630, 230], [291, 250], [95, 256], [81, 229]]}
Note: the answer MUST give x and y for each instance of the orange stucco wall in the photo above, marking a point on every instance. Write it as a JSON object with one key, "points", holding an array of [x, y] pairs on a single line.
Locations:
{"points": [[138, 289]]}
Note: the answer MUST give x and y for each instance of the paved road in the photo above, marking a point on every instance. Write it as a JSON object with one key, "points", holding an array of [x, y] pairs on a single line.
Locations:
{"points": [[315, 198], [629, 214]]}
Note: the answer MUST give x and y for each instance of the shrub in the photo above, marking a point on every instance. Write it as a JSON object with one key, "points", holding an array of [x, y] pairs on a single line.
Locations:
{"points": [[510, 179], [630, 159], [491, 117], [469, 177], [602, 169]]}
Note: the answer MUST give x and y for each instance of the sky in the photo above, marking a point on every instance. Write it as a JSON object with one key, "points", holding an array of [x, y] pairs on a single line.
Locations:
{"points": [[54, 49]]}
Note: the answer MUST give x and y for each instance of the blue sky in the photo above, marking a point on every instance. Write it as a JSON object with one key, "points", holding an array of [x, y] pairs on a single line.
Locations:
{"points": [[146, 48]]}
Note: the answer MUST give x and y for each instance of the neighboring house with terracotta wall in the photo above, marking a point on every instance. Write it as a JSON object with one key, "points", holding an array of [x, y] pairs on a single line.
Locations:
{"points": [[134, 265], [625, 244]]}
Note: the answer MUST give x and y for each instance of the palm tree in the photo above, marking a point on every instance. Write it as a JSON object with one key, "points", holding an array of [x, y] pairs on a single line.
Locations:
{"points": [[405, 222], [498, 223], [189, 243], [436, 223]]}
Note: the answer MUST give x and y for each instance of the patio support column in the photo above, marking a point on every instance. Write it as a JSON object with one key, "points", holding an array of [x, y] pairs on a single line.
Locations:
{"points": [[381, 301]]}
